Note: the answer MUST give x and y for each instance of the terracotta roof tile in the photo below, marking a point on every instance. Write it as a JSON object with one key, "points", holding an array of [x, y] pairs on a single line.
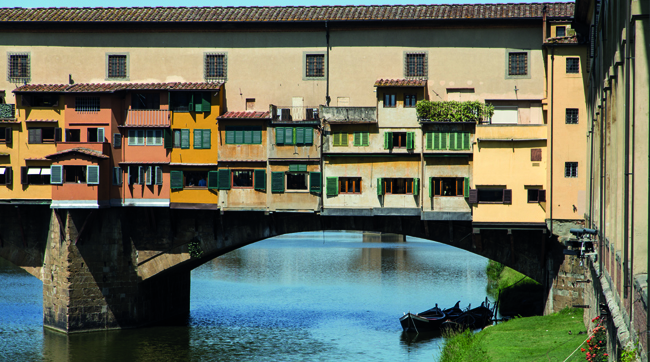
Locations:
{"points": [[147, 118], [83, 150], [245, 115], [144, 163], [563, 40], [41, 121], [287, 13], [400, 83], [113, 87]]}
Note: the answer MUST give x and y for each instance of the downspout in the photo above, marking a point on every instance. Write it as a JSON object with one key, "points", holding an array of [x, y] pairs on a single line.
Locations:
{"points": [[630, 58], [550, 235], [626, 189], [327, 59]]}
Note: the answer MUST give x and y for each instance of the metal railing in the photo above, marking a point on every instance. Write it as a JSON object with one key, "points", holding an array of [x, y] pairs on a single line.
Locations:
{"points": [[294, 113]]}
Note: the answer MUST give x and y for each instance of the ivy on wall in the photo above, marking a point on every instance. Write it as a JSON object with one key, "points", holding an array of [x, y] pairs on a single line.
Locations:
{"points": [[453, 111]]}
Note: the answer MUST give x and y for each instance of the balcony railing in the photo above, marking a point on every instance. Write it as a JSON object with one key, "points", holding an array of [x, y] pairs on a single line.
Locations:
{"points": [[7, 111], [283, 114], [349, 114], [452, 111], [147, 118]]}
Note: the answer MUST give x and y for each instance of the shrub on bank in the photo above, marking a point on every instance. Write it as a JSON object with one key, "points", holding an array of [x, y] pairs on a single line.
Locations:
{"points": [[463, 347]]}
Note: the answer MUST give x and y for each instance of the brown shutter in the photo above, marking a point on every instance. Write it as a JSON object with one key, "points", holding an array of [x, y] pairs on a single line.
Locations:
{"points": [[507, 196], [57, 134], [8, 136], [473, 196], [536, 154], [23, 175], [541, 196], [9, 173]]}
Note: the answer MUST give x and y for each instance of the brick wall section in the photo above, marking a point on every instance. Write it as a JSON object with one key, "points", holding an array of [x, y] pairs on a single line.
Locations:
{"points": [[640, 317]]}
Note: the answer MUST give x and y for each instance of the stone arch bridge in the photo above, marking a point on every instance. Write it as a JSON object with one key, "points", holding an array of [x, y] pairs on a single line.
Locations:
{"points": [[129, 267]]}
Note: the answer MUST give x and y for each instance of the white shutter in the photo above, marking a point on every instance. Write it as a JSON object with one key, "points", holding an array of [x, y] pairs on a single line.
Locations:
{"points": [[56, 174], [159, 175], [117, 140], [92, 175], [100, 134], [141, 175], [149, 175]]}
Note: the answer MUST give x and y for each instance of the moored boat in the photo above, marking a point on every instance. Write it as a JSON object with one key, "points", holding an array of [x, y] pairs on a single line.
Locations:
{"points": [[429, 320]]}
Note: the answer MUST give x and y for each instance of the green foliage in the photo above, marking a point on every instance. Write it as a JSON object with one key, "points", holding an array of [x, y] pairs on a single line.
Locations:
{"points": [[596, 350], [630, 353], [452, 111], [194, 247], [463, 347]]}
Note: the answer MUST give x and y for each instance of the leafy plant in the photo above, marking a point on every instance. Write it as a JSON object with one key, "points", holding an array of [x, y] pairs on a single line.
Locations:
{"points": [[452, 111], [629, 354], [596, 350], [194, 247]]}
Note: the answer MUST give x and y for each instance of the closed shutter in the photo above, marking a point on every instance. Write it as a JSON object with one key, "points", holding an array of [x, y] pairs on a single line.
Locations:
{"points": [[473, 196], [257, 137], [224, 180], [230, 135], [8, 136], [149, 175], [437, 136], [213, 180], [536, 154], [205, 101], [168, 140], [176, 179], [25, 181], [416, 186], [289, 136], [117, 140], [260, 180], [35, 135], [9, 175], [380, 186], [410, 140], [341, 139], [277, 181], [466, 187], [452, 140], [248, 136], [357, 139], [185, 138], [365, 138], [206, 139], [117, 176], [128, 175], [92, 175], [198, 139], [309, 136], [443, 140], [315, 182], [300, 135], [56, 174], [279, 135], [541, 196], [58, 134], [429, 141], [100, 134], [388, 140], [142, 175], [332, 186], [159, 175], [430, 186], [507, 196], [466, 137]]}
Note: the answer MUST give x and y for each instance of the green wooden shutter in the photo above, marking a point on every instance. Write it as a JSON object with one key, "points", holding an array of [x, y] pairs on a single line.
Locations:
{"points": [[289, 136], [230, 135], [443, 140], [239, 136], [428, 143], [279, 135], [293, 168], [159, 175], [388, 140], [365, 139], [167, 138], [277, 181], [213, 180], [302, 168], [416, 186], [224, 179], [175, 179], [248, 136], [410, 140], [206, 139], [257, 137], [205, 101], [453, 144], [436, 140], [466, 184], [185, 138], [190, 104], [380, 186], [198, 139], [260, 180], [340, 139], [332, 186], [309, 136], [56, 174], [357, 139], [300, 135], [466, 136], [315, 182], [430, 186]]}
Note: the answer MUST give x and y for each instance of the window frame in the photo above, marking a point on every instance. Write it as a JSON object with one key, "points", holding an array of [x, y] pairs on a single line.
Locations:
{"points": [[127, 69], [87, 104], [232, 179], [526, 53], [391, 180], [538, 192], [571, 169], [390, 100], [345, 182], [206, 66], [155, 137], [19, 77], [573, 65], [132, 139], [305, 74], [410, 100], [437, 191], [409, 72], [557, 28], [84, 172], [570, 117], [305, 174]]}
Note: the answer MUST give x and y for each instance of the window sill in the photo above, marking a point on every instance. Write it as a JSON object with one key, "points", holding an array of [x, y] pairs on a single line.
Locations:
{"points": [[297, 191]]}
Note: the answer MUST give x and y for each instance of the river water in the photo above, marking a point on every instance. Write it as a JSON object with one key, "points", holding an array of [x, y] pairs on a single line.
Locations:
{"points": [[300, 297]]}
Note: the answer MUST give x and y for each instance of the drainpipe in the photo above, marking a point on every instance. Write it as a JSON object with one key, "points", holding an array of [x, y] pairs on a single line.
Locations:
{"points": [[626, 189], [550, 191], [327, 59], [603, 169]]}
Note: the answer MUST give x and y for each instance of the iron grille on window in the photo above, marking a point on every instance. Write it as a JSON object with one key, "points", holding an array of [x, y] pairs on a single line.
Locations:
{"points": [[517, 63], [416, 65], [215, 66], [560, 31], [572, 116], [573, 65], [117, 66], [18, 69], [315, 65], [86, 104], [570, 169]]}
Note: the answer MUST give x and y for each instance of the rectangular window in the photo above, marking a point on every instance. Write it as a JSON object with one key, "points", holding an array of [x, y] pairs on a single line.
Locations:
{"points": [[74, 174], [361, 139], [560, 31], [42, 135], [398, 186], [416, 65], [448, 186], [573, 65], [536, 195], [45, 100], [6, 175], [177, 138], [72, 135], [242, 179], [350, 185], [536, 154], [86, 104], [154, 137], [296, 181], [389, 100], [493, 195], [403, 140], [95, 134], [136, 137], [571, 116], [215, 66], [518, 63], [570, 169], [339, 139], [195, 179], [145, 101], [202, 139], [410, 100], [116, 66], [315, 66], [243, 135], [18, 68], [35, 176]]}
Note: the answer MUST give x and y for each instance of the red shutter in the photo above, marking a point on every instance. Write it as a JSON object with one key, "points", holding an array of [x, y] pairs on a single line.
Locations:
{"points": [[473, 196], [541, 196], [507, 196]]}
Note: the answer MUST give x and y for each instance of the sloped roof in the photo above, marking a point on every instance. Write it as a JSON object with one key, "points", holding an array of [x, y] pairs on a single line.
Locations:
{"points": [[287, 13], [113, 87], [245, 115], [400, 83], [82, 150]]}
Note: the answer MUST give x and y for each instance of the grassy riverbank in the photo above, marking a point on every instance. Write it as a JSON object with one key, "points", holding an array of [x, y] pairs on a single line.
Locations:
{"points": [[539, 338]]}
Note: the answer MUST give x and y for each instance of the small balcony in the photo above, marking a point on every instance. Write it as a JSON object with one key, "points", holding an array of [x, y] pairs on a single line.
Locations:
{"points": [[349, 115], [294, 114], [147, 118], [454, 112]]}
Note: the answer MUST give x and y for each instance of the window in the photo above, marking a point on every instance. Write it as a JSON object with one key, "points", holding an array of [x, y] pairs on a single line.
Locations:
{"points": [[44, 100], [35, 175], [250, 104], [416, 65], [389, 100], [315, 65], [536, 154], [398, 186], [573, 65], [505, 115], [301, 136], [571, 116], [116, 67], [190, 101], [518, 63], [6, 175], [95, 135], [242, 179], [350, 185], [410, 100], [74, 174], [536, 195], [136, 137], [145, 101], [447, 141], [340, 139], [570, 169], [297, 181], [181, 138], [43, 135], [399, 139], [72, 135], [195, 179], [560, 31], [202, 139], [86, 104], [154, 137], [448, 186], [361, 139], [244, 135], [490, 195], [215, 66], [6, 137], [18, 68]]}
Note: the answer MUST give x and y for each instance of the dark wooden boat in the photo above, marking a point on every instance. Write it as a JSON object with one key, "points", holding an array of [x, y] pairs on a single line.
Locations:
{"points": [[474, 318], [429, 320]]}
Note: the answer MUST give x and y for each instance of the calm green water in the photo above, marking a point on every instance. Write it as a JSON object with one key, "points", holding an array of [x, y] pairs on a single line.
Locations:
{"points": [[300, 297]]}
